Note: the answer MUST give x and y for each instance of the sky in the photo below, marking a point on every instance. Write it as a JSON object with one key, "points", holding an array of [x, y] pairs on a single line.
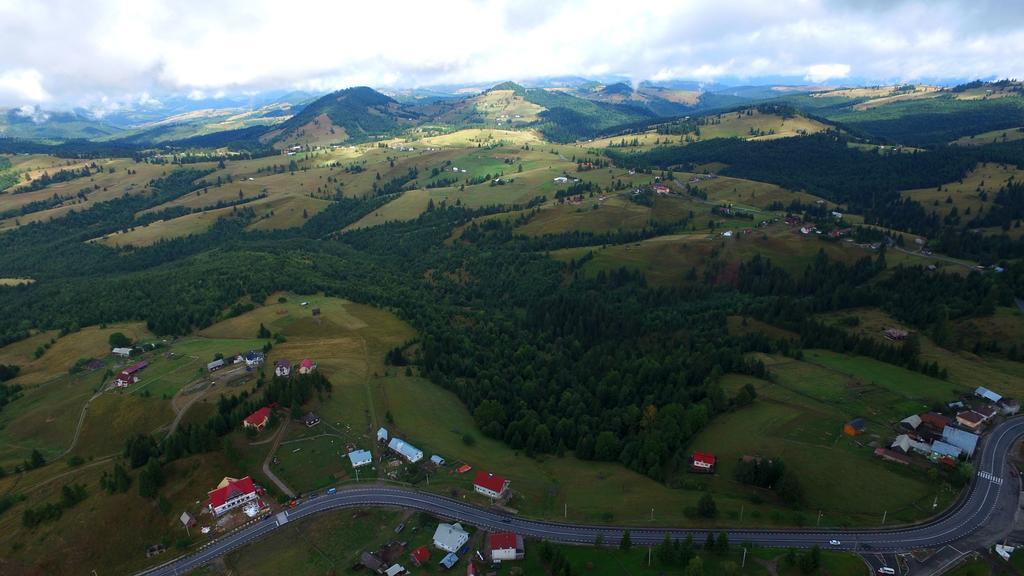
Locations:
{"points": [[106, 54]]}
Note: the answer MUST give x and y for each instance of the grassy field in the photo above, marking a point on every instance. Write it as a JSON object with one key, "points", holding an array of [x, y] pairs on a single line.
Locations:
{"points": [[755, 126], [991, 137], [666, 259], [965, 195], [966, 370]]}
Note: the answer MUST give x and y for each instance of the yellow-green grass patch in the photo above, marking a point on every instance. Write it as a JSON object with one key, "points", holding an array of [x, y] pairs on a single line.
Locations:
{"points": [[987, 177]]}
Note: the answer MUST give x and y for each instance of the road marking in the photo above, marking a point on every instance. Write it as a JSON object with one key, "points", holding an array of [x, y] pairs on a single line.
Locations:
{"points": [[991, 478]]}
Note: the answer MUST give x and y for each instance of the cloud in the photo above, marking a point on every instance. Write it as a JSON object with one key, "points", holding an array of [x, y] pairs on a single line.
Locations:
{"points": [[821, 72], [23, 85], [61, 55]]}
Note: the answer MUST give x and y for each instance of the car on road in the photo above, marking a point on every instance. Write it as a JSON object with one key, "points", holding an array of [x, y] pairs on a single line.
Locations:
{"points": [[834, 542], [885, 571], [332, 490], [293, 503]]}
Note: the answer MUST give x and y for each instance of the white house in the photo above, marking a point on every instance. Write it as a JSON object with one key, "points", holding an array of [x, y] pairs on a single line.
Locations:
{"points": [[122, 352], [253, 359], [490, 485], [450, 537], [506, 546], [360, 458], [382, 435], [560, 179], [231, 493], [406, 450]]}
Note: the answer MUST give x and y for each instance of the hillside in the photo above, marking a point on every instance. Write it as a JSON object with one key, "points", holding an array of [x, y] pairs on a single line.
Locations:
{"points": [[44, 125], [353, 114]]}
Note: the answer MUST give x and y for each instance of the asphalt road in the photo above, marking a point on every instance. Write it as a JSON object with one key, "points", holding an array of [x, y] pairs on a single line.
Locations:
{"points": [[971, 513]]}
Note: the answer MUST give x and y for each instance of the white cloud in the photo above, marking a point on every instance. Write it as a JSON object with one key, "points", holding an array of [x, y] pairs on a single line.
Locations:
{"points": [[23, 85], [58, 53], [822, 72]]}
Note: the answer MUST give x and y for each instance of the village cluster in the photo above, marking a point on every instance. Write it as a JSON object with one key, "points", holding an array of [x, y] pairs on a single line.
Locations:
{"points": [[942, 438], [237, 501]]}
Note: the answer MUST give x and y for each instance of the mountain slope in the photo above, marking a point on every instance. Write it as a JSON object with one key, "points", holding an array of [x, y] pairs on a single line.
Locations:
{"points": [[34, 123], [353, 114]]}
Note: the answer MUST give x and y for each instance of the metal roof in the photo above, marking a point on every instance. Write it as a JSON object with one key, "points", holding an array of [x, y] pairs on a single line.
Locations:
{"points": [[962, 439]]}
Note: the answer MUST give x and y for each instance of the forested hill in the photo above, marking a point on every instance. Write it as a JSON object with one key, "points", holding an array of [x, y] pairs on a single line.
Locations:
{"points": [[547, 359], [361, 112]]}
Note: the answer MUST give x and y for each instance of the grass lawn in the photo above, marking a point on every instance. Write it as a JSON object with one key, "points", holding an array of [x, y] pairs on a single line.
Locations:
{"points": [[971, 568]]}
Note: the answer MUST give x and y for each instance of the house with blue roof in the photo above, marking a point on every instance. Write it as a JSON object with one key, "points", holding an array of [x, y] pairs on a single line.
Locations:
{"points": [[966, 441], [360, 458], [406, 450], [941, 449]]}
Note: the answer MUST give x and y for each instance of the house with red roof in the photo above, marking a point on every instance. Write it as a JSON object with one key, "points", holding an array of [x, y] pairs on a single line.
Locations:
{"points": [[703, 462], [505, 546], [231, 493], [420, 556], [490, 485], [258, 419], [127, 377], [306, 366]]}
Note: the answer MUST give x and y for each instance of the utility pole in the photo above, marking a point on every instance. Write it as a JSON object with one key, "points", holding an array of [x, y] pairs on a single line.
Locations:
{"points": [[819, 518], [652, 513], [741, 515], [884, 514], [648, 555], [565, 510], [743, 563], [935, 504]]}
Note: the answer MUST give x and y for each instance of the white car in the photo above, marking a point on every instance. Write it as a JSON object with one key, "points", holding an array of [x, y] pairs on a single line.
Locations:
{"points": [[886, 571], [834, 542]]}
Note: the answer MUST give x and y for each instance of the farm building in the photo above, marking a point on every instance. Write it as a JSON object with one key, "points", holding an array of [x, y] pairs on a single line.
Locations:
{"points": [[436, 459], [215, 365], [360, 458], [122, 352], [124, 380], [449, 561], [254, 359], [310, 420], [702, 462], [911, 422], [896, 334], [450, 537], [282, 367], [406, 450], [855, 427], [962, 439], [941, 449], [892, 456], [382, 435], [420, 555], [490, 485], [987, 412], [231, 493], [660, 189], [560, 179], [395, 570], [258, 419], [372, 562], [987, 394], [970, 419], [936, 421], [905, 444], [306, 366], [506, 546], [187, 520]]}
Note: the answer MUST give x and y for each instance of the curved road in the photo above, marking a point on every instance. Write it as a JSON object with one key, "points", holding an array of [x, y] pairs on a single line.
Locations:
{"points": [[971, 513]]}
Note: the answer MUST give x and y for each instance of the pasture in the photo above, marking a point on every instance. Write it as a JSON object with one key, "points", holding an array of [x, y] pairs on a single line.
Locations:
{"points": [[966, 196]]}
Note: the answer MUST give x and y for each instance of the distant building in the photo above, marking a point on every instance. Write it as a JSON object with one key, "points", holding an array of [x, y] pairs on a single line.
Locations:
{"points": [[436, 459], [560, 179], [360, 458], [702, 462], [911, 422], [661, 189], [282, 367], [506, 546], [124, 380], [962, 439], [892, 456], [449, 561], [420, 555], [395, 570], [450, 537], [231, 493], [258, 420], [254, 359], [122, 352], [306, 366], [382, 435], [406, 450], [855, 427], [987, 394], [906, 444], [970, 419], [490, 485], [941, 449], [215, 365], [310, 419]]}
